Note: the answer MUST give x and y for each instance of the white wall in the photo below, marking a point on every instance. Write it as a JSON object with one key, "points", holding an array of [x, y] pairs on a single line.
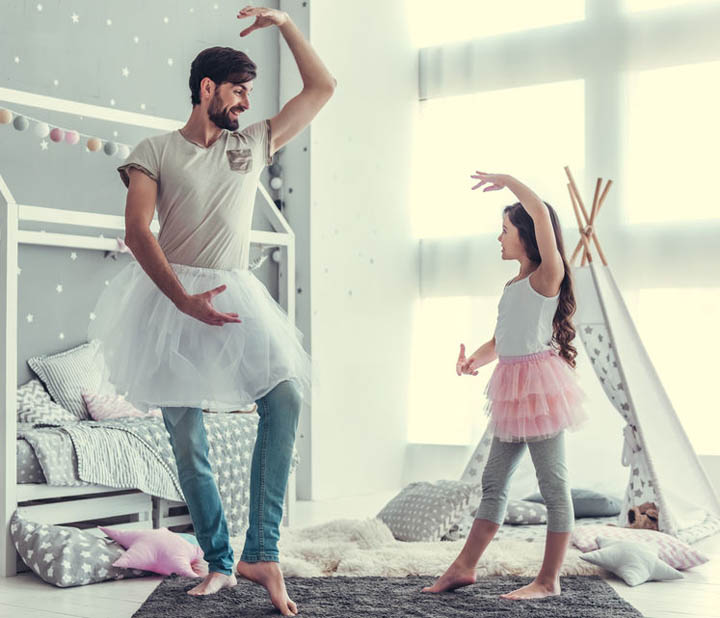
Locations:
{"points": [[363, 259], [295, 193]]}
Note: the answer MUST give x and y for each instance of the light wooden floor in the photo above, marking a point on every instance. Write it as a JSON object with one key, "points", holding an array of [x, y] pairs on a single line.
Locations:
{"points": [[26, 596]]}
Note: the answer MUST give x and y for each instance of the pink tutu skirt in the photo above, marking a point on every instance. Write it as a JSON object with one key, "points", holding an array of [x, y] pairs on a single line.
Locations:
{"points": [[533, 397]]}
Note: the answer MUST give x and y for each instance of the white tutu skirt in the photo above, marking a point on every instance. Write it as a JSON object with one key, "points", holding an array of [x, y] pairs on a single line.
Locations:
{"points": [[160, 356]]}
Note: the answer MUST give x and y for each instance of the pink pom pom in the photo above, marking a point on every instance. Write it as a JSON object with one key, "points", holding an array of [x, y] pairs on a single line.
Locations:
{"points": [[72, 137], [56, 135]]}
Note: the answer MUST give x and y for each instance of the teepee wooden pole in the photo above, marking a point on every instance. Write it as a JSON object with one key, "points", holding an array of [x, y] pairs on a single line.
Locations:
{"points": [[587, 256], [574, 193], [593, 211], [577, 193], [589, 220], [604, 194]]}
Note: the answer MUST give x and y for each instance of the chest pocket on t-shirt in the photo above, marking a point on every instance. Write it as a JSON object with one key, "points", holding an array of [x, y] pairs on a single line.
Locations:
{"points": [[240, 160]]}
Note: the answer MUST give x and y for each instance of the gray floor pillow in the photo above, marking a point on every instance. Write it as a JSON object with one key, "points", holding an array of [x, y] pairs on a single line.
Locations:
{"points": [[426, 511], [588, 503], [523, 513], [66, 556]]}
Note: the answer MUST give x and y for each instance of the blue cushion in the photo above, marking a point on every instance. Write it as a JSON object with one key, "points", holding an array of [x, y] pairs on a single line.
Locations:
{"points": [[588, 503]]}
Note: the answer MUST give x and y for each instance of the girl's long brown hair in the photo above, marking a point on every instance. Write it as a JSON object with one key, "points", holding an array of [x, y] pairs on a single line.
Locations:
{"points": [[563, 328]]}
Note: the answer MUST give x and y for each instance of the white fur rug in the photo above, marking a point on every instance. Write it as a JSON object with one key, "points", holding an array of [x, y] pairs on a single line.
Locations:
{"points": [[366, 547]]}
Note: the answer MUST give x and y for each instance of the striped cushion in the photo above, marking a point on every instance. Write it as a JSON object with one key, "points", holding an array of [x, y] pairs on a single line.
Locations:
{"points": [[71, 373], [673, 551], [35, 406]]}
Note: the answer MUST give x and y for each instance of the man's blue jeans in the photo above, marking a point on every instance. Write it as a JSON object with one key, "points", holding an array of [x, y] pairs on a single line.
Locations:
{"points": [[279, 411]]}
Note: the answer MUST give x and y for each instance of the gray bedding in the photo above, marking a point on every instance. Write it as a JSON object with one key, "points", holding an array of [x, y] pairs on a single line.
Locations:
{"points": [[52, 452], [136, 453], [29, 469]]}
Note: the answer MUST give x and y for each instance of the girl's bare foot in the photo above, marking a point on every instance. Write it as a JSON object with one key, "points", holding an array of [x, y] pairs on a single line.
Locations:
{"points": [[212, 583], [269, 575], [535, 590], [456, 576]]}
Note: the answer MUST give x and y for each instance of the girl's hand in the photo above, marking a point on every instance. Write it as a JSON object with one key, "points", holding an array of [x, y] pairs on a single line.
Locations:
{"points": [[467, 366], [264, 18], [494, 182]]}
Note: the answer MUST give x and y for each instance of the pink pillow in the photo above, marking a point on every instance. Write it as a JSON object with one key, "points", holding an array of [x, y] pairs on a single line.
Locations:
{"points": [[673, 551], [103, 407], [159, 551]]}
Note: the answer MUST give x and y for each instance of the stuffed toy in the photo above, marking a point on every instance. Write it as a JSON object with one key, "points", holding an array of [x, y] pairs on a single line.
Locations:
{"points": [[644, 517]]}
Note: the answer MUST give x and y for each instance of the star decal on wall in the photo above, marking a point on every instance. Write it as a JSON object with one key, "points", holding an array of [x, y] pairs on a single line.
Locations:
{"points": [[75, 18]]}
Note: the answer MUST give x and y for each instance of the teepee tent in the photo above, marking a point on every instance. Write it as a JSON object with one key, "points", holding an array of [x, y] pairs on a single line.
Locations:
{"points": [[663, 467]]}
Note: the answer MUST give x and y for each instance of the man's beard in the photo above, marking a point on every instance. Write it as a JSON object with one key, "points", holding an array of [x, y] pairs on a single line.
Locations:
{"points": [[221, 116]]}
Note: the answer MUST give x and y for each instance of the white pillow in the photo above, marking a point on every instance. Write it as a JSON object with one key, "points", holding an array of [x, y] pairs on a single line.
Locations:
{"points": [[69, 374], [635, 563], [35, 406], [677, 554]]}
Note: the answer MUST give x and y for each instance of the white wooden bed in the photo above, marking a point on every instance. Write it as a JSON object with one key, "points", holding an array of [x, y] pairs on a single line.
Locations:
{"points": [[95, 503]]}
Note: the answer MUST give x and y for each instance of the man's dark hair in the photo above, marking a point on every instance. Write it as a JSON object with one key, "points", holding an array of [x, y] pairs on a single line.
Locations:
{"points": [[220, 64]]}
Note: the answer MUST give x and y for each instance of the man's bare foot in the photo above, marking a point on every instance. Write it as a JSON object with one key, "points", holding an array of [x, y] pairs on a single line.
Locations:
{"points": [[212, 583], [456, 576], [269, 575], [534, 590]]}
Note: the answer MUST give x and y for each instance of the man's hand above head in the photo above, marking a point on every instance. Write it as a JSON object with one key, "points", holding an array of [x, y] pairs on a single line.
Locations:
{"points": [[264, 18]]}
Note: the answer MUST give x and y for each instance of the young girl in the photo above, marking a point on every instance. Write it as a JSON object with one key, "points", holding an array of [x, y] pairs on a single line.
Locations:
{"points": [[533, 395]]}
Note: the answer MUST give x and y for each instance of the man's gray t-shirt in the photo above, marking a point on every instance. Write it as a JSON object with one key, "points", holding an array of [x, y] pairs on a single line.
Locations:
{"points": [[205, 196]]}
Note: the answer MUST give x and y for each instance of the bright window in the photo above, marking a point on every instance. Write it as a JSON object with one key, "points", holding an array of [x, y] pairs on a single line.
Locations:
{"points": [[529, 132], [678, 327], [436, 23], [672, 139]]}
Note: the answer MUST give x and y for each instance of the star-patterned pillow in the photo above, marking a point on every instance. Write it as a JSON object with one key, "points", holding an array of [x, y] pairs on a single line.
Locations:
{"points": [[35, 406], [634, 563], [522, 513], [677, 554], [427, 511], [66, 556]]}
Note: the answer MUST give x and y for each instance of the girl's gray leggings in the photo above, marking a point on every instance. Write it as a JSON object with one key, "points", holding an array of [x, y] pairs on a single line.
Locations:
{"points": [[548, 456]]}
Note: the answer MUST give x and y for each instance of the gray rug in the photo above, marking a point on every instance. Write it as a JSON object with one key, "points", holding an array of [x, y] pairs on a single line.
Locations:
{"points": [[351, 597]]}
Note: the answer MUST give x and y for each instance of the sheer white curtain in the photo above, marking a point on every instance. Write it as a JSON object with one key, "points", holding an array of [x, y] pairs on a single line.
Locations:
{"points": [[623, 88]]}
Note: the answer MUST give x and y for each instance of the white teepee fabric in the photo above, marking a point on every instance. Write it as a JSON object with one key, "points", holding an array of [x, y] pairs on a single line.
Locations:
{"points": [[663, 467]]}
